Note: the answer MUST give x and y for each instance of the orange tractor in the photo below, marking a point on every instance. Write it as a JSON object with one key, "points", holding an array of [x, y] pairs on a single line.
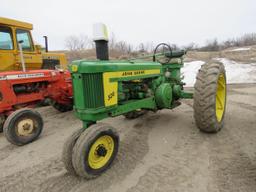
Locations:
{"points": [[28, 76]]}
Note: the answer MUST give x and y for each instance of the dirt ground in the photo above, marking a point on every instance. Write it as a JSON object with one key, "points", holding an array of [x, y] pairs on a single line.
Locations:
{"points": [[161, 151]]}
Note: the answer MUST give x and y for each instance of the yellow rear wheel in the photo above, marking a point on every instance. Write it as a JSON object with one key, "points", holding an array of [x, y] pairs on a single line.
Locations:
{"points": [[220, 97], [95, 150], [210, 97]]}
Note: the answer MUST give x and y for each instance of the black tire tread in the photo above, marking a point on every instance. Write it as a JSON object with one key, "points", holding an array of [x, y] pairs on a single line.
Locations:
{"points": [[2, 125], [67, 150]]}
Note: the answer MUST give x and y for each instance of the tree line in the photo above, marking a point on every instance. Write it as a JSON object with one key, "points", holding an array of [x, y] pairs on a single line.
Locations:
{"points": [[79, 46]]}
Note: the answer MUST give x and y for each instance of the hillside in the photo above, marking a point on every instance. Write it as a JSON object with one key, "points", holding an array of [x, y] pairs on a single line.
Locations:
{"points": [[238, 54]]}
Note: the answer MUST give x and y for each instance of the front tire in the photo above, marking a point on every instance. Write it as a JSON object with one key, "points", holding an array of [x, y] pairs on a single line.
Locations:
{"points": [[95, 150], [210, 97], [23, 126], [67, 150]]}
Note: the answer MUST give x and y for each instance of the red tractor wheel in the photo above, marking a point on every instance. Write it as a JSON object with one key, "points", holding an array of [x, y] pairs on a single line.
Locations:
{"points": [[23, 126]]}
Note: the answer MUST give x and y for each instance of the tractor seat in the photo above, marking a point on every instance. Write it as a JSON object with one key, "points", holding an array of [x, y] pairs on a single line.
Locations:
{"points": [[175, 54]]}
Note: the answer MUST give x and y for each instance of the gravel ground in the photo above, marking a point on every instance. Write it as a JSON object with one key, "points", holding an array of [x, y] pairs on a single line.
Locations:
{"points": [[161, 151]]}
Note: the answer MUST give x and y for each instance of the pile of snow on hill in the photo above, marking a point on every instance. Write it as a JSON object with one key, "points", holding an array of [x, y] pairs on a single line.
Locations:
{"points": [[241, 49], [235, 72]]}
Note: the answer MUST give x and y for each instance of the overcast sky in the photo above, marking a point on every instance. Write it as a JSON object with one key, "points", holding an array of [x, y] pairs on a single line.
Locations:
{"points": [[135, 21]]}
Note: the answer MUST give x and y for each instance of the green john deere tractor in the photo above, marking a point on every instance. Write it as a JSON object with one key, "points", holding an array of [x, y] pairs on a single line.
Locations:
{"points": [[104, 88]]}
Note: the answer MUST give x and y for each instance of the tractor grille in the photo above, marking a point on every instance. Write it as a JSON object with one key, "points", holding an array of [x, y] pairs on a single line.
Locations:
{"points": [[93, 90]]}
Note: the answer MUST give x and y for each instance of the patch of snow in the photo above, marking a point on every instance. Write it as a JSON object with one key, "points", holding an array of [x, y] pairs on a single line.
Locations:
{"points": [[235, 72], [189, 72], [239, 73], [241, 49]]}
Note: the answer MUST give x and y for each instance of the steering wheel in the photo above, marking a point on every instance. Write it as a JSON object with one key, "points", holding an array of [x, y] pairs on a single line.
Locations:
{"points": [[160, 53]]}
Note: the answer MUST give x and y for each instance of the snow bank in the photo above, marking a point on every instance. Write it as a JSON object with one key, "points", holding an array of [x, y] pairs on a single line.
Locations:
{"points": [[235, 72], [239, 73], [241, 49], [189, 72]]}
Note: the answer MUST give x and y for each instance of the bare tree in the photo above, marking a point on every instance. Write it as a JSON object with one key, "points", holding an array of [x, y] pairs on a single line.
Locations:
{"points": [[118, 48], [112, 41], [211, 45], [191, 46], [141, 48], [77, 46], [78, 43], [247, 39]]}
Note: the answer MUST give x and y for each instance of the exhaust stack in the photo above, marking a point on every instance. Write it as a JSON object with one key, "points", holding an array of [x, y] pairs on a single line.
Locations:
{"points": [[22, 56], [46, 43], [100, 37]]}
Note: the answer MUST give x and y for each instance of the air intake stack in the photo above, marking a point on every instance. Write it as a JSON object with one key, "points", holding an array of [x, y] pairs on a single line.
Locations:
{"points": [[100, 37]]}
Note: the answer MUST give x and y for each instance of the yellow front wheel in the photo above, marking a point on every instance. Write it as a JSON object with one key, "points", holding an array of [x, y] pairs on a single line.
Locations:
{"points": [[95, 150], [101, 151]]}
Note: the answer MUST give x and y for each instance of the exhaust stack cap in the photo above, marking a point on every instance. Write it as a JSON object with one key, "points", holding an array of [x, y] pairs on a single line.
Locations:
{"points": [[100, 32]]}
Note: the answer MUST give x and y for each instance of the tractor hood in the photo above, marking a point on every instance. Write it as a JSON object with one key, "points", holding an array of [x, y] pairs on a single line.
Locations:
{"points": [[85, 66]]}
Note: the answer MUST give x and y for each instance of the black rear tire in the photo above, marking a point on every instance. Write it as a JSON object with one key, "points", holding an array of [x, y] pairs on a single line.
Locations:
{"points": [[205, 97], [23, 126]]}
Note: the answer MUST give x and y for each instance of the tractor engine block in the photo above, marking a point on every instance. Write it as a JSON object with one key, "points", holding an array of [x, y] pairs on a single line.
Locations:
{"points": [[136, 89]]}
